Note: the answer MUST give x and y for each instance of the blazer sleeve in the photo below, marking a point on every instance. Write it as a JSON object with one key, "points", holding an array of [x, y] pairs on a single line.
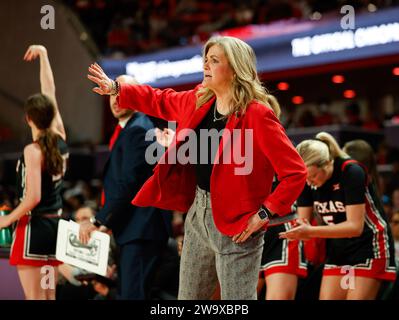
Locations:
{"points": [[286, 162], [165, 104], [133, 171]]}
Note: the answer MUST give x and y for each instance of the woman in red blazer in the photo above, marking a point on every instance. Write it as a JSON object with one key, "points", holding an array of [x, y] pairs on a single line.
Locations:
{"points": [[228, 196]]}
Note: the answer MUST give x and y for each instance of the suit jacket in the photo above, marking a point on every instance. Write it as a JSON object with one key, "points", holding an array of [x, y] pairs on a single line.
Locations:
{"points": [[124, 174], [234, 197]]}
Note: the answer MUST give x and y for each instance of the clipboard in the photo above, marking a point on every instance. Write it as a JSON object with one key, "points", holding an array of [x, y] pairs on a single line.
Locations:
{"points": [[92, 256]]}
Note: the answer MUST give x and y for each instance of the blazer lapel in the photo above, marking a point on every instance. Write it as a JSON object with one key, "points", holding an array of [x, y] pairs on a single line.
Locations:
{"points": [[191, 123], [199, 114], [227, 136]]}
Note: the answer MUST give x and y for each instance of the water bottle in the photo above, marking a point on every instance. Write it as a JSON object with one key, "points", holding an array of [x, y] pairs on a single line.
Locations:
{"points": [[5, 233]]}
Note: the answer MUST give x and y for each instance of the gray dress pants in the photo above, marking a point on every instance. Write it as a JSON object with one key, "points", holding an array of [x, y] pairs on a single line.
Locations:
{"points": [[209, 256]]}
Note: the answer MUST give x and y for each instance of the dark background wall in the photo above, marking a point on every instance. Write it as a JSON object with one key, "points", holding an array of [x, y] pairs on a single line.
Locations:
{"points": [[81, 109]]}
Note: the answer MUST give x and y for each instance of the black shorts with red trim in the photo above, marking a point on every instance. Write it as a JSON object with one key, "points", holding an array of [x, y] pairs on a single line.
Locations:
{"points": [[34, 241], [382, 269], [282, 255]]}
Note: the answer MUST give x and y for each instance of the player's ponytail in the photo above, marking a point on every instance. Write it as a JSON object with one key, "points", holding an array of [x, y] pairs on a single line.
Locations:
{"points": [[333, 146], [320, 151], [40, 110]]}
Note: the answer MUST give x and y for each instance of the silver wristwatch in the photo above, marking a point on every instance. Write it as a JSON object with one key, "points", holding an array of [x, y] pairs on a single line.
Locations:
{"points": [[264, 214]]}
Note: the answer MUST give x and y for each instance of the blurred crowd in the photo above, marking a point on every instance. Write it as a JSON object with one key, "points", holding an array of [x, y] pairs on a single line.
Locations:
{"points": [[128, 27]]}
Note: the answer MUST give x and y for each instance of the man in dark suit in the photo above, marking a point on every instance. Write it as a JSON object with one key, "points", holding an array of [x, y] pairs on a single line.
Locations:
{"points": [[140, 233]]}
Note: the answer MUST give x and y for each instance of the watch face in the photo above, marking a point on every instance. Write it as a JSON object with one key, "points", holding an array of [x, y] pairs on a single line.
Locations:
{"points": [[262, 214]]}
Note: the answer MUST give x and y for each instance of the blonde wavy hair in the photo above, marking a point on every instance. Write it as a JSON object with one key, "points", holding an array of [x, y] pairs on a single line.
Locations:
{"points": [[320, 151], [246, 85]]}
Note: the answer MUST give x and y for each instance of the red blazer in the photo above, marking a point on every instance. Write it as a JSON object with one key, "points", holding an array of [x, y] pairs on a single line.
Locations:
{"points": [[234, 197]]}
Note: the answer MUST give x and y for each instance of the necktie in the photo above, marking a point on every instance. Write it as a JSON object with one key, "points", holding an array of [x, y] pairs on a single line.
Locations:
{"points": [[115, 135], [112, 141]]}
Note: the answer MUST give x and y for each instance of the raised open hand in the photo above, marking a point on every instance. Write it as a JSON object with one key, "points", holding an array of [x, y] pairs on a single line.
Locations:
{"points": [[106, 86], [34, 51]]}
